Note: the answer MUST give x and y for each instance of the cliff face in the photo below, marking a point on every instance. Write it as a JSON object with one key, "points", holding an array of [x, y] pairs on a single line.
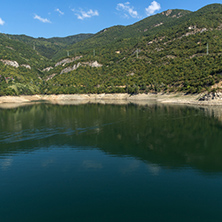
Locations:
{"points": [[14, 64], [67, 60], [216, 96], [94, 64], [10, 63]]}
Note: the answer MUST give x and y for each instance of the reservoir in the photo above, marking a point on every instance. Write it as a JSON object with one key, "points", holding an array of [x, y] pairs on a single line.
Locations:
{"points": [[97, 162]]}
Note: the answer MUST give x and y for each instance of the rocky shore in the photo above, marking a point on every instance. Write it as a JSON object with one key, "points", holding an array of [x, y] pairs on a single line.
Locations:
{"points": [[212, 99]]}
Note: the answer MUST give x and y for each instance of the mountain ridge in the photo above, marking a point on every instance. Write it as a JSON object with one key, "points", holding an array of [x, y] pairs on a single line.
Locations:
{"points": [[164, 52]]}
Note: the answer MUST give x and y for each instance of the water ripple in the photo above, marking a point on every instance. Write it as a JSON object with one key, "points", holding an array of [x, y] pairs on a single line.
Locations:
{"points": [[34, 134], [37, 134]]}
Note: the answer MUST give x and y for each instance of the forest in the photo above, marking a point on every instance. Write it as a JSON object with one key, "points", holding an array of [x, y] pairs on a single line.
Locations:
{"points": [[173, 51]]}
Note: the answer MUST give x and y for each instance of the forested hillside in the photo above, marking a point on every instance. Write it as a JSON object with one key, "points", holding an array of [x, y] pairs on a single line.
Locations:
{"points": [[173, 51], [50, 47]]}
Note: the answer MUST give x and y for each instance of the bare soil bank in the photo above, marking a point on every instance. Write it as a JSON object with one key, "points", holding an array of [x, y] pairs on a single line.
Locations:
{"points": [[173, 98]]}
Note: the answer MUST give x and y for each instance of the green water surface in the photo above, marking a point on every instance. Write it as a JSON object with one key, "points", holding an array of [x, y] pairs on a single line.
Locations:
{"points": [[99, 162]]}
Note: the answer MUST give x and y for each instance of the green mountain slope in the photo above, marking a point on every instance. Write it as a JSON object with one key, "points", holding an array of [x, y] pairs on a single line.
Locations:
{"points": [[166, 52], [22, 59], [20, 67], [171, 57], [49, 47], [69, 40], [118, 34]]}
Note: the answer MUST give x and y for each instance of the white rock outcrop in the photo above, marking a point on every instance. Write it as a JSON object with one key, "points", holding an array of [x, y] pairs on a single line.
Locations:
{"points": [[158, 24], [69, 69], [26, 66], [10, 63], [68, 60], [66, 70], [50, 77], [47, 69], [211, 96], [94, 64], [167, 13]]}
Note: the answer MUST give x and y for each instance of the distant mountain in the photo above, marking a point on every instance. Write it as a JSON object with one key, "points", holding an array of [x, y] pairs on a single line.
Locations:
{"points": [[69, 40], [167, 21], [49, 47], [176, 50], [117, 34], [19, 51]]}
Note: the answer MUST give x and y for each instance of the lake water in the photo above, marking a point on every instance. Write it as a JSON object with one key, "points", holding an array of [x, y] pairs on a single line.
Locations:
{"points": [[99, 162]]}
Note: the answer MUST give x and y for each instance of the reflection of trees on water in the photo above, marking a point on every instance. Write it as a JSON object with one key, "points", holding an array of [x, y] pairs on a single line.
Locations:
{"points": [[171, 136], [214, 112]]}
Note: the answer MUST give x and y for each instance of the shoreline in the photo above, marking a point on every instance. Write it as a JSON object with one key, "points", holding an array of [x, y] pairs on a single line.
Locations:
{"points": [[62, 99]]}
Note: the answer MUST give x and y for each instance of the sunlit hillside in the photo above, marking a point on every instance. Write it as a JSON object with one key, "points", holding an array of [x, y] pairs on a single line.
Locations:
{"points": [[173, 51]]}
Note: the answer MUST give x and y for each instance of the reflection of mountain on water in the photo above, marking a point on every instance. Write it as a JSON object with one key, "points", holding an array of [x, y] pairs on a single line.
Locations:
{"points": [[171, 136]]}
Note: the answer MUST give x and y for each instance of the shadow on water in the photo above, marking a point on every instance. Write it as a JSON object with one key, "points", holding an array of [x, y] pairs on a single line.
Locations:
{"points": [[170, 136]]}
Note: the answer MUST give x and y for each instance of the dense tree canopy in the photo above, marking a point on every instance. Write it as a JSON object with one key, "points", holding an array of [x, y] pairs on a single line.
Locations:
{"points": [[172, 51]]}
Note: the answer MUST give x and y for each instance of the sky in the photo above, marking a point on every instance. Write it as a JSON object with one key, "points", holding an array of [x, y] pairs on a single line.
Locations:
{"points": [[47, 18]]}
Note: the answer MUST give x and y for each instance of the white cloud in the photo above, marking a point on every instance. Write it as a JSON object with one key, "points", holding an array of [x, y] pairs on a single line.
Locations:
{"points": [[42, 19], [2, 22], [83, 14], [155, 6], [60, 12], [127, 8]]}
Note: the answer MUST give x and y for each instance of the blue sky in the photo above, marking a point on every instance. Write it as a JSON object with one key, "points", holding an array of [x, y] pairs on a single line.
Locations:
{"points": [[47, 18]]}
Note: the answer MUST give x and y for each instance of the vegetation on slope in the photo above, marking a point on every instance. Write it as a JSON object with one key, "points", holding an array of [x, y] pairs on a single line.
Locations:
{"points": [[49, 47], [166, 52]]}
